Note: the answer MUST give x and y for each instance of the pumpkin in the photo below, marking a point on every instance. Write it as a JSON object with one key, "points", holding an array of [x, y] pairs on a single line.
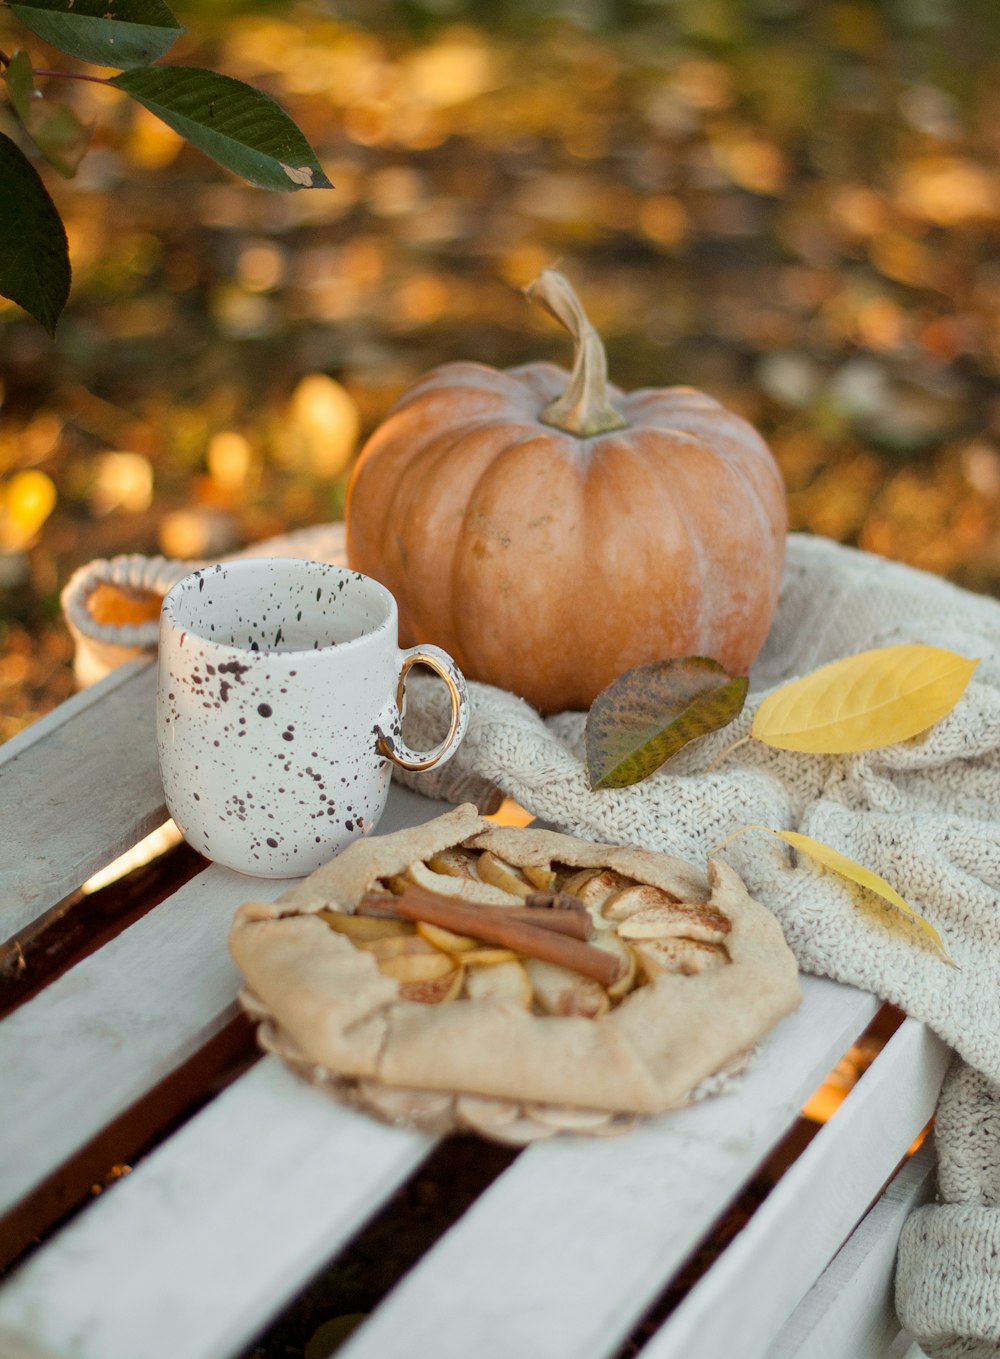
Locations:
{"points": [[551, 532]]}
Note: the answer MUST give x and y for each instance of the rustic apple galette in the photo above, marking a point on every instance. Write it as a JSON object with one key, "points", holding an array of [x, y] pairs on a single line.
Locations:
{"points": [[513, 981]]}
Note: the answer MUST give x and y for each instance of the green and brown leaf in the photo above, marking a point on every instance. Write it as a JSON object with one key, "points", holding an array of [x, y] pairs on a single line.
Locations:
{"points": [[651, 712], [239, 126]]}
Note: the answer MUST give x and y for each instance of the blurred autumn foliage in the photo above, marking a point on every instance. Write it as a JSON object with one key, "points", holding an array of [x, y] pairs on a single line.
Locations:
{"points": [[794, 204]]}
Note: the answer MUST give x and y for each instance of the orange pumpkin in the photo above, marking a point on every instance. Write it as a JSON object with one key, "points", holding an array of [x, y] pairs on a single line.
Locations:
{"points": [[550, 531]]}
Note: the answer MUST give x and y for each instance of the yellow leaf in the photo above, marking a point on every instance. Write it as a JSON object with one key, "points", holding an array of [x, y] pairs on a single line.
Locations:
{"points": [[873, 699], [854, 872]]}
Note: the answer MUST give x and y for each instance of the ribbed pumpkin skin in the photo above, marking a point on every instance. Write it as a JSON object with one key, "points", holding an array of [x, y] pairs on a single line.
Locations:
{"points": [[548, 563]]}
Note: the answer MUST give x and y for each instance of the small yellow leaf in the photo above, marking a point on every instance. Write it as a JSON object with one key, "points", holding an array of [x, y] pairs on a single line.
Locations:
{"points": [[854, 872], [873, 699]]}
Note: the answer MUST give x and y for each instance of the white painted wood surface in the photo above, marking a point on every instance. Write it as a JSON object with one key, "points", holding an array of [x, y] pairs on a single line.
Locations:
{"points": [[849, 1312], [564, 1253], [69, 710], [581, 1234], [77, 789], [98, 1038], [105, 1033], [191, 1254], [774, 1261]]}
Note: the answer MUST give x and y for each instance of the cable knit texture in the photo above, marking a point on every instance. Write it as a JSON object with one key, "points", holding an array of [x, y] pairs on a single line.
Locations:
{"points": [[922, 813], [948, 1271]]}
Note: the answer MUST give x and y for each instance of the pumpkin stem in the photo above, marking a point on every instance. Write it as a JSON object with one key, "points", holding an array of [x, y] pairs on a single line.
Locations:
{"points": [[584, 407]]}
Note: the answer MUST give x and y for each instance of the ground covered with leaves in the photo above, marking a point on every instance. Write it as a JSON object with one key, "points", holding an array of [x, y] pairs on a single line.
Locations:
{"points": [[795, 206]]}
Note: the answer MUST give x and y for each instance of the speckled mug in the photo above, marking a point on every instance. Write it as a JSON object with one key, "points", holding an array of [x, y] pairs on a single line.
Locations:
{"points": [[280, 689]]}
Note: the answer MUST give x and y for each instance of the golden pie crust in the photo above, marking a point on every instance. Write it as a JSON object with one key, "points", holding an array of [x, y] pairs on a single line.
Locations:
{"points": [[491, 1064]]}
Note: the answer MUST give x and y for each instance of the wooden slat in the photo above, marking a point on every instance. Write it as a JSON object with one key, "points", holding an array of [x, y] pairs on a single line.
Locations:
{"points": [[111, 1028], [190, 1255], [579, 1237], [114, 1026], [849, 1312], [68, 711], [581, 1234], [768, 1269], [77, 789]]}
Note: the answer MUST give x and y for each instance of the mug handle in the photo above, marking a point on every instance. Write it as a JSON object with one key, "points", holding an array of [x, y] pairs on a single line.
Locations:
{"points": [[445, 668]]}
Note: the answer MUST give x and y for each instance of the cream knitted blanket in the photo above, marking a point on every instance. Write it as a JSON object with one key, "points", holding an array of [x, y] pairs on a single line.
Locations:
{"points": [[924, 814]]}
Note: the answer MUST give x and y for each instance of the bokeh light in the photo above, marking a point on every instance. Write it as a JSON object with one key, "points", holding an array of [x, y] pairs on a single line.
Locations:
{"points": [[793, 206]]}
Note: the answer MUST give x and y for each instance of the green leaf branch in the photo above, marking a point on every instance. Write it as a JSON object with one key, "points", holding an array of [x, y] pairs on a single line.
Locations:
{"points": [[240, 127]]}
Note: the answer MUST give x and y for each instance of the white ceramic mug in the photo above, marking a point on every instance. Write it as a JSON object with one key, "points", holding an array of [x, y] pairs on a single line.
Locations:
{"points": [[280, 690]]}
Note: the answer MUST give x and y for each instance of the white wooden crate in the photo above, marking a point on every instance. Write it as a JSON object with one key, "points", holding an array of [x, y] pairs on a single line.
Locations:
{"points": [[194, 1253]]}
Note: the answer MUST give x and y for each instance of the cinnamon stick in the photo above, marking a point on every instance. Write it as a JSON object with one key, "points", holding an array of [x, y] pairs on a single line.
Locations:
{"points": [[494, 926], [574, 923], [556, 901]]}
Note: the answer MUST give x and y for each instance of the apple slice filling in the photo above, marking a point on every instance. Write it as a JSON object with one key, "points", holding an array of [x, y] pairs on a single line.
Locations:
{"points": [[644, 927]]}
